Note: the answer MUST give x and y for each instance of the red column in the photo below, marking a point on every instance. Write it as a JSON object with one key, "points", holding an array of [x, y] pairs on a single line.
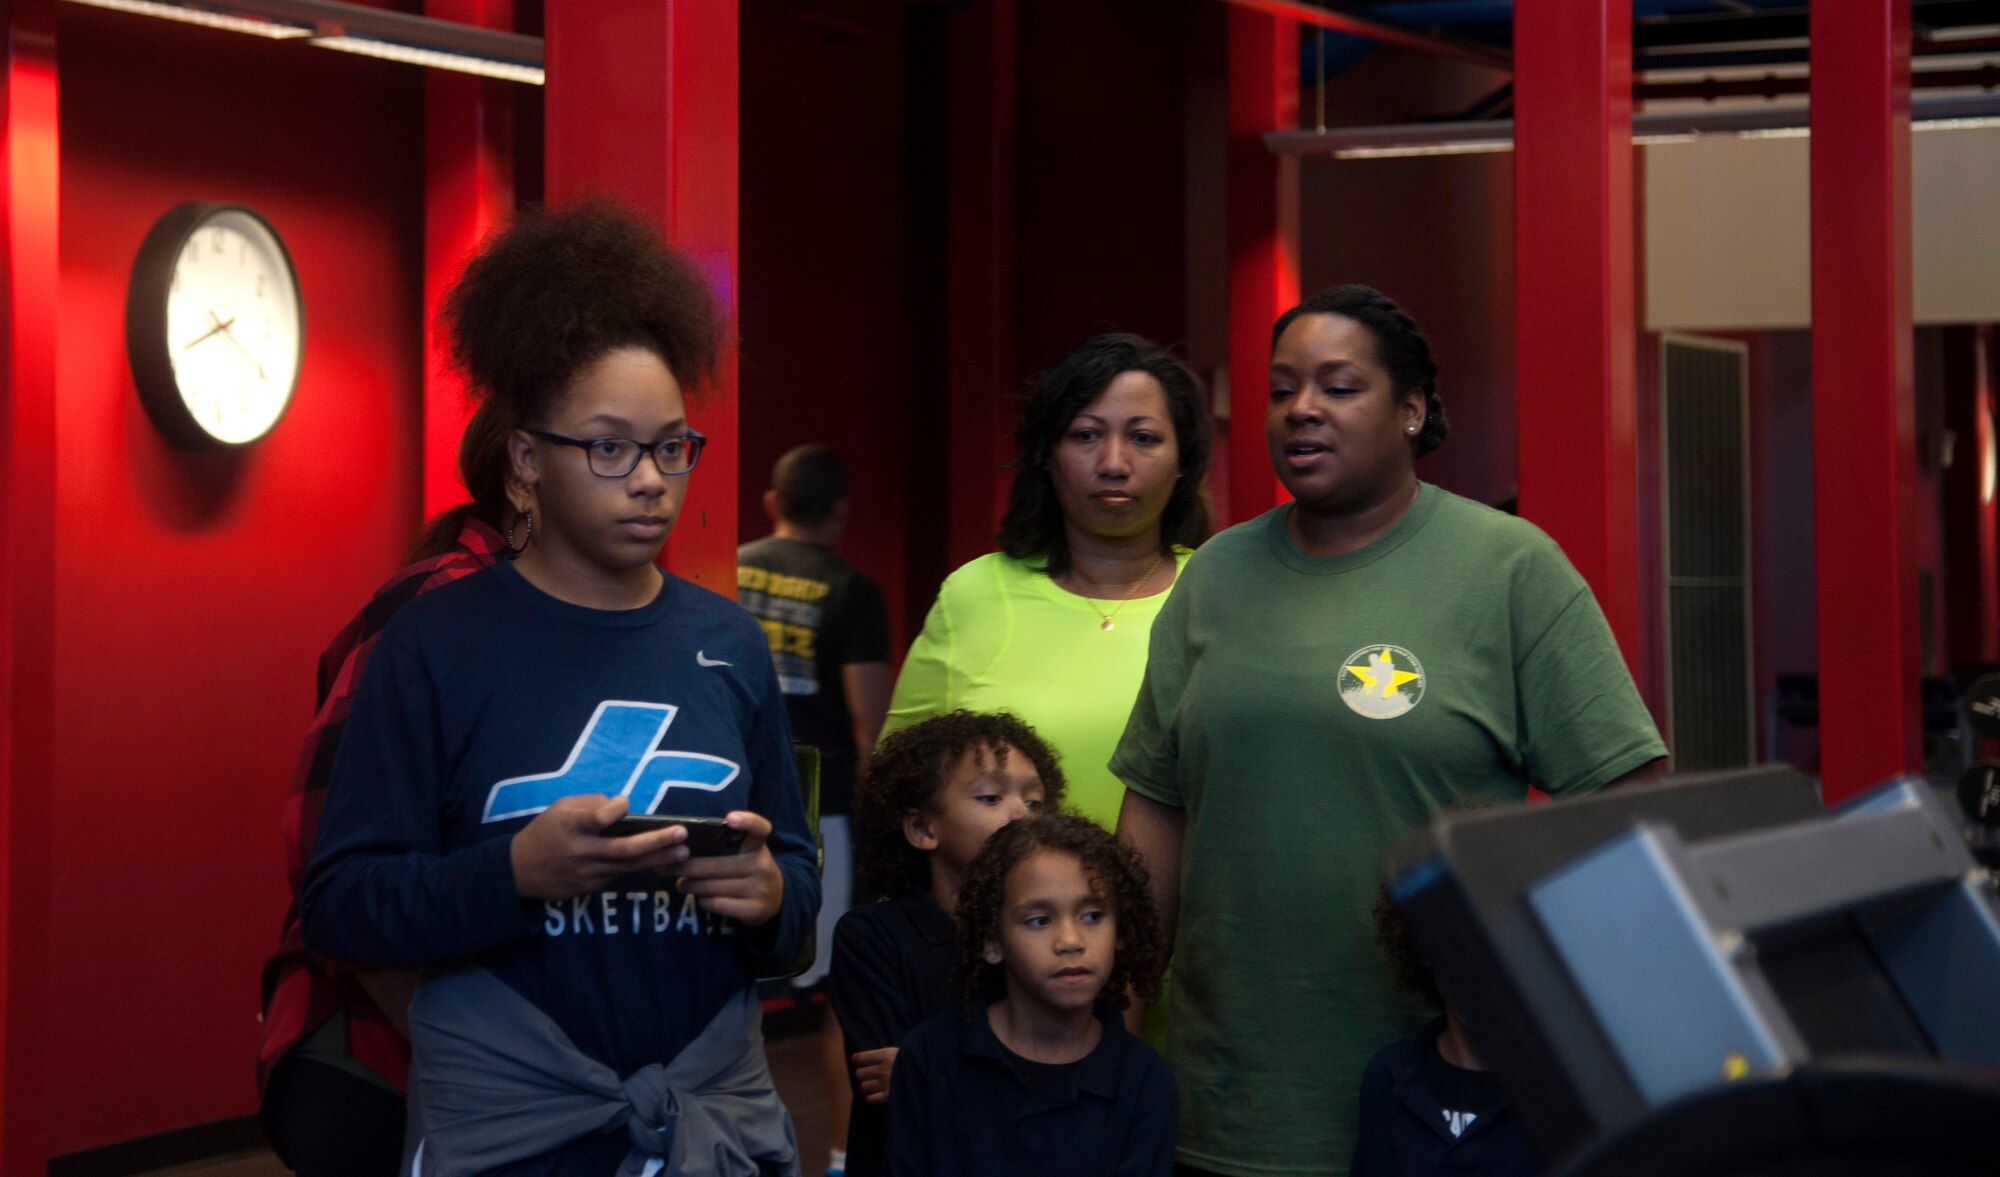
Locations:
{"points": [[1864, 429], [1988, 450], [1575, 372], [468, 190], [983, 346], [28, 264], [1263, 239], [641, 104], [1971, 591]]}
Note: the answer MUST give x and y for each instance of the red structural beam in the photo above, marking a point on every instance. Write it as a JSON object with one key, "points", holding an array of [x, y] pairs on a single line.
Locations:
{"points": [[642, 105], [1263, 240], [468, 190], [1864, 419], [28, 292], [982, 339], [1375, 30], [1574, 325]]}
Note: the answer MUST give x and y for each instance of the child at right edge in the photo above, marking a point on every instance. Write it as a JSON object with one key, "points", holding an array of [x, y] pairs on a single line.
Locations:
{"points": [[1428, 1104]]}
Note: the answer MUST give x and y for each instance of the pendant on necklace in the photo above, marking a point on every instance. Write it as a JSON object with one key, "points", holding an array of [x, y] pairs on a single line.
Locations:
{"points": [[1107, 627]]}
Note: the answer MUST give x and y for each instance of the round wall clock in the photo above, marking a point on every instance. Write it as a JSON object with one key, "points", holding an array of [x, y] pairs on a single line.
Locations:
{"points": [[213, 325]]}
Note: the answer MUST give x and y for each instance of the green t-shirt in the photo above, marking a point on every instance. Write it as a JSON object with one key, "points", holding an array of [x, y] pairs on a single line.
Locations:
{"points": [[1004, 637], [1305, 712]]}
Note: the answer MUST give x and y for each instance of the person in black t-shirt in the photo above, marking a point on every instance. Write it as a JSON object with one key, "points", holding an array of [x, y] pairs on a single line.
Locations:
{"points": [[1428, 1105], [829, 636]]}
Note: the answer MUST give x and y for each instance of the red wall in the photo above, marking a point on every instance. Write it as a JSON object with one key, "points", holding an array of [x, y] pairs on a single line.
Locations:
{"points": [[826, 295], [1102, 175], [1437, 235], [195, 590]]}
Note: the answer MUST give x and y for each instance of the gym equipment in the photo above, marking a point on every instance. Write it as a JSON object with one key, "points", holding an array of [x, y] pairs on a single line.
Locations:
{"points": [[1654, 953]]}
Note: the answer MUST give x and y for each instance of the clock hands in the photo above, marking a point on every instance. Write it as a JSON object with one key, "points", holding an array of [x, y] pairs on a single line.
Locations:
{"points": [[222, 328], [219, 326]]}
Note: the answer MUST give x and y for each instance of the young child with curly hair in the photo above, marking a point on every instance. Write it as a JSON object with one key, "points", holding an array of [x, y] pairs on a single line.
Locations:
{"points": [[1037, 1073], [932, 794]]}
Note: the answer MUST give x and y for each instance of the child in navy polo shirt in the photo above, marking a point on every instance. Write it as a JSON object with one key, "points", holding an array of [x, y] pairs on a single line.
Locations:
{"points": [[932, 793], [1428, 1104], [1038, 1073]]}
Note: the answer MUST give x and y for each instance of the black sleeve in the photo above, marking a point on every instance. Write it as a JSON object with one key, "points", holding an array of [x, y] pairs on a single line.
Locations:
{"points": [[1373, 1154], [381, 889], [865, 636], [865, 984]]}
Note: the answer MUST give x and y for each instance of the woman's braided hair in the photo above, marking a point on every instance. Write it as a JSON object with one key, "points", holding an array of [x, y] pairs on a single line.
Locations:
{"points": [[1399, 343]]}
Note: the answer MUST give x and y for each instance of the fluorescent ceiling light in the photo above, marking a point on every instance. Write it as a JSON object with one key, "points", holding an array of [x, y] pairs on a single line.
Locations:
{"points": [[1759, 121], [1800, 132], [433, 58], [360, 28], [1983, 123], [256, 26], [1398, 151], [1963, 33]]}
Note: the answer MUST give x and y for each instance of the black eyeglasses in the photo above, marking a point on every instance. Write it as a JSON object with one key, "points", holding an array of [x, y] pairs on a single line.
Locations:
{"points": [[617, 457]]}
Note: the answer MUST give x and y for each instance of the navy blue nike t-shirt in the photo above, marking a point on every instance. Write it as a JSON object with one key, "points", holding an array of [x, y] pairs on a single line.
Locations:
{"points": [[485, 701]]}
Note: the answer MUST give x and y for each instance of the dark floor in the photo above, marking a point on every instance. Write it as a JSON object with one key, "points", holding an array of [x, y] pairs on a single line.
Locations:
{"points": [[794, 1064]]}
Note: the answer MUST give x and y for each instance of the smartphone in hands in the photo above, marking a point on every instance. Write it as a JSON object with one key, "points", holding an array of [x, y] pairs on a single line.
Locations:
{"points": [[706, 836]]}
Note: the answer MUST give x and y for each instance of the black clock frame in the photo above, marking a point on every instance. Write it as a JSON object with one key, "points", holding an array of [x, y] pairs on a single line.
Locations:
{"points": [[147, 347]]}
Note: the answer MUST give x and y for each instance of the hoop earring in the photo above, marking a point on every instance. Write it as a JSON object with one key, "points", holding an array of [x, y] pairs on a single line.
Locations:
{"points": [[526, 537]]}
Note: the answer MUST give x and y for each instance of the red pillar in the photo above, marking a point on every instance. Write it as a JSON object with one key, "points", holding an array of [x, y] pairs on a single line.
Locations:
{"points": [[1971, 539], [1864, 429], [1263, 240], [1575, 370], [468, 190], [982, 341], [28, 265], [1988, 449], [641, 105]]}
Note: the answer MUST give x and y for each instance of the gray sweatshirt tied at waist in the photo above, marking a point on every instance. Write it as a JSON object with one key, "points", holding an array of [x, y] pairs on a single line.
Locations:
{"points": [[494, 1080]]}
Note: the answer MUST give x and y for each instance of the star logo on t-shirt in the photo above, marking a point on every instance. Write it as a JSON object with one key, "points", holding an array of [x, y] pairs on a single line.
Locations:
{"points": [[1381, 682]]}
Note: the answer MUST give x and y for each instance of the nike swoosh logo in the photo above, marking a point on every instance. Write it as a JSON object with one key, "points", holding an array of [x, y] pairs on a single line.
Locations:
{"points": [[701, 658]]}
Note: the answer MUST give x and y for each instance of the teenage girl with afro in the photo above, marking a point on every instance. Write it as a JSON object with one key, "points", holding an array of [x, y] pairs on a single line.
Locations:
{"points": [[588, 1002]]}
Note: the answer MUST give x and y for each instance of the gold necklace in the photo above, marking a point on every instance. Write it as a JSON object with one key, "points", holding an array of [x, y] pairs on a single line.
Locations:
{"points": [[1130, 595]]}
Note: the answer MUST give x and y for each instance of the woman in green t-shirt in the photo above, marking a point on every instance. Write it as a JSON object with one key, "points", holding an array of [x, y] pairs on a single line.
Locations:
{"points": [[1107, 501], [1323, 679]]}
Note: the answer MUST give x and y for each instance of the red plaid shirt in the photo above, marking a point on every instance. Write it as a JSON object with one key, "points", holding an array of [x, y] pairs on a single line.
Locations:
{"points": [[302, 989]]}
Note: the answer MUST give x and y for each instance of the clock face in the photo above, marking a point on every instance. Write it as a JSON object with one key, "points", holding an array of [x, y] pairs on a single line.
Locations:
{"points": [[221, 357]]}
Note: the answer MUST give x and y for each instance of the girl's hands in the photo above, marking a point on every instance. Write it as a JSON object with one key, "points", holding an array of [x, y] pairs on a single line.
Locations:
{"points": [[746, 886], [563, 852]]}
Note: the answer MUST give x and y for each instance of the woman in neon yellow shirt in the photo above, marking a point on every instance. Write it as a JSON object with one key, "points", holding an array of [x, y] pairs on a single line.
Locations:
{"points": [[1107, 503]]}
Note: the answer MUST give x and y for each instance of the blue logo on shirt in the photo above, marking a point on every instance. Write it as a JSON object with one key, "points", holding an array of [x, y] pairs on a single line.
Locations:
{"points": [[615, 756]]}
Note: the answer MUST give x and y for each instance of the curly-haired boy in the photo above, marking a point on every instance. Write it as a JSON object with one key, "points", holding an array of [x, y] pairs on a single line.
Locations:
{"points": [[1038, 1073]]}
